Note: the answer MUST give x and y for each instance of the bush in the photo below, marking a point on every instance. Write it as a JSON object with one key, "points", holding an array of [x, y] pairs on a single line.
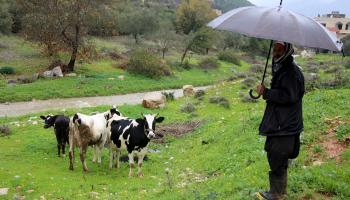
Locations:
{"points": [[169, 96], [188, 108], [145, 63], [343, 132], [209, 63], [7, 70], [199, 93], [347, 64], [257, 69], [249, 82], [4, 130], [222, 101], [229, 56], [245, 98]]}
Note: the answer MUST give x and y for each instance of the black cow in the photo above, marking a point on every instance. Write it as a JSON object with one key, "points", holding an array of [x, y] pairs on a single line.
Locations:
{"points": [[61, 127], [132, 135]]}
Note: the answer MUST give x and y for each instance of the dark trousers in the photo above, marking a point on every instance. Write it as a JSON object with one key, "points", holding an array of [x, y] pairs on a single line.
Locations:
{"points": [[279, 149]]}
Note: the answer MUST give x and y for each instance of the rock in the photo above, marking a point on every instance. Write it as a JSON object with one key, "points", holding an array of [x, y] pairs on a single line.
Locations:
{"points": [[35, 76], [24, 79], [121, 77], [11, 81], [57, 72], [306, 54], [30, 191], [48, 74], [154, 100], [93, 194], [71, 74], [3, 191], [188, 90], [42, 197]]}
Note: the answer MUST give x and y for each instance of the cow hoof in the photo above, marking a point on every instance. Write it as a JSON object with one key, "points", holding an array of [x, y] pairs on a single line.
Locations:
{"points": [[63, 155], [86, 170], [71, 168], [131, 175], [140, 175]]}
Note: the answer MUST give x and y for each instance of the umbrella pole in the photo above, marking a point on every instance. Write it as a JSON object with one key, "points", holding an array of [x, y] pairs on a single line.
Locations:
{"points": [[263, 78]]}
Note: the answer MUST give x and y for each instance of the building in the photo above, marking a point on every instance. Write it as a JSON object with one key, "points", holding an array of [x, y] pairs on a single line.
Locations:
{"points": [[335, 22]]}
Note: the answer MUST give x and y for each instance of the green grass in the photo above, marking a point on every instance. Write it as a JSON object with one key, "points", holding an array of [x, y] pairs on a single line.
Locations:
{"points": [[231, 166]]}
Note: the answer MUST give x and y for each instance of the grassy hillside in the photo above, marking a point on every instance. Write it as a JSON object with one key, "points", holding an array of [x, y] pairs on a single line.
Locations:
{"points": [[223, 159]]}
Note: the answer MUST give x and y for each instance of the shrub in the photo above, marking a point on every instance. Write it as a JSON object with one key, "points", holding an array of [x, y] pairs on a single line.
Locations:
{"points": [[343, 132], [186, 65], [249, 82], [229, 56], [222, 101], [347, 64], [169, 96], [5, 130], [199, 93], [312, 81], [257, 69], [145, 63], [7, 70], [188, 108], [245, 98], [209, 63]]}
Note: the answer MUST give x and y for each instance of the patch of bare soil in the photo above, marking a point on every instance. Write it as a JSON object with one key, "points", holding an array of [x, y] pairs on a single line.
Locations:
{"points": [[333, 148], [175, 129]]}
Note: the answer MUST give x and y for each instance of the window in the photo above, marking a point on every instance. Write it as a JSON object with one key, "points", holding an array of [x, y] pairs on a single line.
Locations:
{"points": [[339, 25], [347, 26]]}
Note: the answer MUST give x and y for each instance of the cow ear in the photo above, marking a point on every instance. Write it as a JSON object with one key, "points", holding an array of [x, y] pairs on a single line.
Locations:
{"points": [[139, 120], [159, 119], [43, 117]]}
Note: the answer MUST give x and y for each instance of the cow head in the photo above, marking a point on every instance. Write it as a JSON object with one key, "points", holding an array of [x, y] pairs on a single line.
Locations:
{"points": [[76, 119], [149, 123], [49, 120], [113, 111]]}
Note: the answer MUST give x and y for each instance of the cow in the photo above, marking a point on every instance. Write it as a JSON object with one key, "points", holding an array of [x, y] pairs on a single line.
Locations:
{"points": [[86, 130], [132, 135], [60, 123]]}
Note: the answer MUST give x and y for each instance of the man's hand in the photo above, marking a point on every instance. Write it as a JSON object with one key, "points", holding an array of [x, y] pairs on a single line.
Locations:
{"points": [[260, 89]]}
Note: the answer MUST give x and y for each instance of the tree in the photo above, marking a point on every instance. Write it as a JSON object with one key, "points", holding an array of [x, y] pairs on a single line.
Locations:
{"points": [[137, 21], [5, 17], [231, 40], [191, 15], [346, 45], [164, 38], [199, 42], [60, 22], [226, 5]]}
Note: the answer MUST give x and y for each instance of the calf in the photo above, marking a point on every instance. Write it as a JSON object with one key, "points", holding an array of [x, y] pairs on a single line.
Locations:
{"points": [[61, 128], [132, 135], [86, 131]]}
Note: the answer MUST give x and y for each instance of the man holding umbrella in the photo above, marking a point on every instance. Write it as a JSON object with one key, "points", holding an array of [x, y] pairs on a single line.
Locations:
{"points": [[283, 121]]}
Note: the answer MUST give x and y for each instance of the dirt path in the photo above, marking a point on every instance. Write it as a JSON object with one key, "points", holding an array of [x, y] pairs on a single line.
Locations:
{"points": [[22, 108]]}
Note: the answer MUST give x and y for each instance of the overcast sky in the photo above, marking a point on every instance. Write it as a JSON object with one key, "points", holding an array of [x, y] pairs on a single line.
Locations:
{"points": [[309, 8]]}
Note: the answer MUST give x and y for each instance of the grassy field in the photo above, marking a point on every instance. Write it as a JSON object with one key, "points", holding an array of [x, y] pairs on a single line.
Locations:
{"points": [[223, 159], [98, 77]]}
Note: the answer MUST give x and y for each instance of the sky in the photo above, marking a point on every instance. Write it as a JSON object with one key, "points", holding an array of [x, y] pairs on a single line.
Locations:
{"points": [[310, 8]]}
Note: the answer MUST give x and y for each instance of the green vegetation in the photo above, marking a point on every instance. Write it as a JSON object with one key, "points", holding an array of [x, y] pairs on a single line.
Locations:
{"points": [[7, 70], [229, 56], [145, 63], [209, 63], [223, 159]]}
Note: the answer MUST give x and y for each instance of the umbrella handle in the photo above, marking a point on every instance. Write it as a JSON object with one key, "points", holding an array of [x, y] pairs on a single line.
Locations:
{"points": [[252, 96]]}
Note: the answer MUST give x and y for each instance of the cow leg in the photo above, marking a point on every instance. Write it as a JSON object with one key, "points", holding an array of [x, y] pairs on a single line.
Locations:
{"points": [[58, 149], [111, 156], [118, 158], [140, 157], [94, 153], [99, 153], [71, 153], [83, 157], [63, 150], [131, 163]]}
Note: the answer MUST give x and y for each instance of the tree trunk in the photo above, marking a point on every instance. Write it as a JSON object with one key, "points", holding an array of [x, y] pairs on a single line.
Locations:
{"points": [[136, 39], [207, 50], [163, 53], [75, 46], [184, 55]]}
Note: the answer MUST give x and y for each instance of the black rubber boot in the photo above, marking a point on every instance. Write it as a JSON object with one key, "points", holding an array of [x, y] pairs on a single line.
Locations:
{"points": [[278, 188]]}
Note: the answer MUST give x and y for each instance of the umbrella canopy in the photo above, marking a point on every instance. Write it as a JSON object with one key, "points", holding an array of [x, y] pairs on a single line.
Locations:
{"points": [[277, 24]]}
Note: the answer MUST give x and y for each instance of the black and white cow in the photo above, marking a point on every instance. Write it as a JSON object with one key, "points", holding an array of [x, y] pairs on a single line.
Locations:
{"points": [[89, 130], [61, 128], [132, 135]]}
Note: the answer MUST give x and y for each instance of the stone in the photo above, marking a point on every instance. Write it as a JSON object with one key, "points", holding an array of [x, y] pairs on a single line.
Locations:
{"points": [[57, 72], [188, 90], [11, 81], [3, 191], [42, 197], [71, 75], [154, 100], [30, 191], [48, 74], [35, 76], [121, 77], [306, 54]]}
